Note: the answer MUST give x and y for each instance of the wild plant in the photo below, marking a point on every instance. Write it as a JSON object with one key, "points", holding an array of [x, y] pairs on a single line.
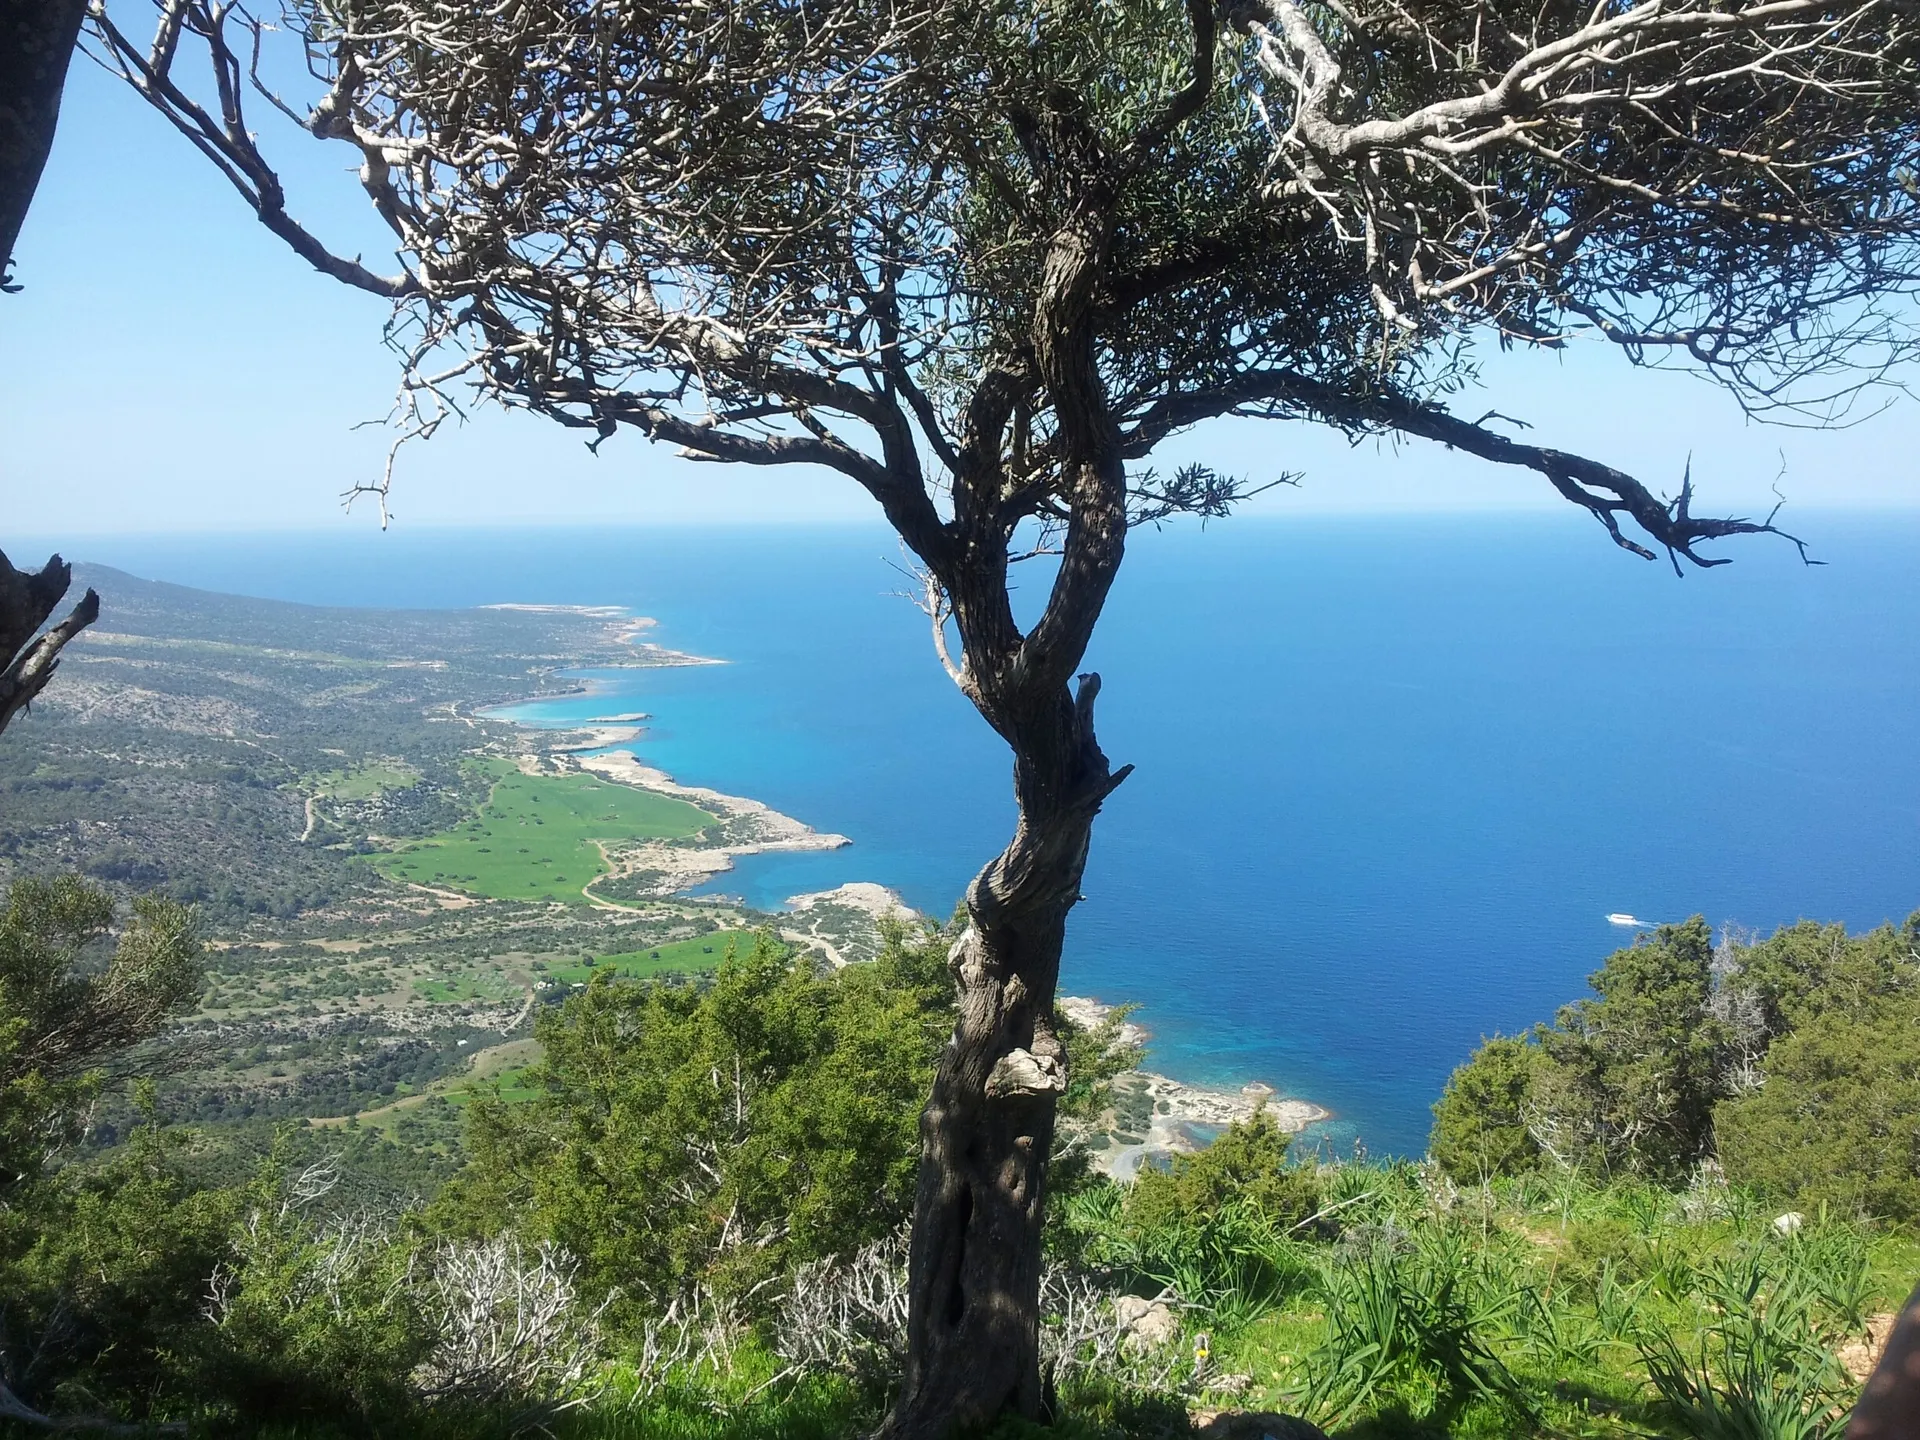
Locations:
{"points": [[1409, 1319], [509, 1327], [848, 1314], [1759, 1368], [1837, 1267], [1615, 1302], [1236, 1264]]}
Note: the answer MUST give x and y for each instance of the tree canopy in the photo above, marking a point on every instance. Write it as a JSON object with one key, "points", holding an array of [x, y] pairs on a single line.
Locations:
{"points": [[778, 232]]}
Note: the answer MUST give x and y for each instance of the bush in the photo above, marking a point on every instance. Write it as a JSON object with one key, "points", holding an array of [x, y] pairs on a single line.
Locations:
{"points": [[1792, 1062], [1837, 1120], [1480, 1121], [712, 1138], [1245, 1166]]}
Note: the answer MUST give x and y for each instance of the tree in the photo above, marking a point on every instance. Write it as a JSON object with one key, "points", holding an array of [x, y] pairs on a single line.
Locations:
{"points": [[36, 43], [689, 1140], [1837, 1119], [28, 654], [1481, 1122], [1622, 1083], [1635, 1072], [67, 1023], [983, 260], [63, 1020]]}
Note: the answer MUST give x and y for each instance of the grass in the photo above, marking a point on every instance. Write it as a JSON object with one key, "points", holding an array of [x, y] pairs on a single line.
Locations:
{"points": [[364, 782], [472, 985], [538, 837], [678, 957], [1537, 1306]]}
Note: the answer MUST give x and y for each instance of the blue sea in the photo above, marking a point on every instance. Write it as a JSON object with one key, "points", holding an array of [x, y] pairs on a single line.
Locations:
{"points": [[1392, 773]]}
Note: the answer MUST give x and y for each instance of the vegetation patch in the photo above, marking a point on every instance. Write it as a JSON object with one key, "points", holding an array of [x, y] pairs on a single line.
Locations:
{"points": [[364, 782], [677, 957], [539, 837], [473, 985]]}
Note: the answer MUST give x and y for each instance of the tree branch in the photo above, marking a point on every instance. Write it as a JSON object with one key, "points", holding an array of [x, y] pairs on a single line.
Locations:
{"points": [[1598, 488], [1185, 105], [27, 600]]}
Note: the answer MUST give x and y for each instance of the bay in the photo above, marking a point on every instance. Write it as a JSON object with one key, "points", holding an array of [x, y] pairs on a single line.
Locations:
{"points": [[1392, 773]]}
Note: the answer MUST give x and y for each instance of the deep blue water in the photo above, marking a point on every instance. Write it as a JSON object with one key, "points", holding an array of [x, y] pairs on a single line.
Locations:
{"points": [[1391, 773]]}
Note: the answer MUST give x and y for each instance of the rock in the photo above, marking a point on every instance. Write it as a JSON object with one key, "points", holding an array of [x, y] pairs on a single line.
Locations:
{"points": [[1253, 1425], [1146, 1324], [1789, 1223], [1860, 1356]]}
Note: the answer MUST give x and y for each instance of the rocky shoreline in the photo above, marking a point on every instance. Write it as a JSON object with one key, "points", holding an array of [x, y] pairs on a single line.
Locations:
{"points": [[1172, 1109]]}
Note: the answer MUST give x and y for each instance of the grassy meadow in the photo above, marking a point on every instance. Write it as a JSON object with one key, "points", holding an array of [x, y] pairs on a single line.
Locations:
{"points": [[677, 957], [364, 782], [538, 837]]}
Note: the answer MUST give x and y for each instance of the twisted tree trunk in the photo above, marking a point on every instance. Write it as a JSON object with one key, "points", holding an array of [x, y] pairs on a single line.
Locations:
{"points": [[36, 42], [987, 1130], [28, 654]]}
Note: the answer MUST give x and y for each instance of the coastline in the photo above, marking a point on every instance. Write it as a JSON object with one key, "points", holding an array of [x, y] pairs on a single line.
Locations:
{"points": [[1176, 1113], [683, 867], [1174, 1109], [748, 826]]}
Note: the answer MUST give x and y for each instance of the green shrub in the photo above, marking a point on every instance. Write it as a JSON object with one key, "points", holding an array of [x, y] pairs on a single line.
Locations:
{"points": [[714, 1136], [1837, 1120], [1479, 1121], [1246, 1165]]}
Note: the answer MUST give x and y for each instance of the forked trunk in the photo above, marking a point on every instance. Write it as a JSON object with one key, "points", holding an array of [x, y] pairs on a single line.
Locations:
{"points": [[974, 1266]]}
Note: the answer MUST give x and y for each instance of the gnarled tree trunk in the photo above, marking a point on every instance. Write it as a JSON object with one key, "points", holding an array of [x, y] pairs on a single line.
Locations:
{"points": [[28, 654], [987, 1130], [36, 42]]}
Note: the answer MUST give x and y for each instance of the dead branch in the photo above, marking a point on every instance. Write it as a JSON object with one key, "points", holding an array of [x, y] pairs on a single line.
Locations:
{"points": [[27, 600]]}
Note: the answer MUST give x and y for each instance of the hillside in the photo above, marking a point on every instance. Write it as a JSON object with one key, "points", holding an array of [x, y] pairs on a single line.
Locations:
{"points": [[298, 774]]}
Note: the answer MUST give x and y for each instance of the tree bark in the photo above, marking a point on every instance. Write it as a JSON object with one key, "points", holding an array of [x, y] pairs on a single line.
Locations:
{"points": [[987, 1130], [36, 42]]}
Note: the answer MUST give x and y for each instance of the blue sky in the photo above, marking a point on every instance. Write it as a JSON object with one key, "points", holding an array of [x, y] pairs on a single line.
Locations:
{"points": [[170, 366]]}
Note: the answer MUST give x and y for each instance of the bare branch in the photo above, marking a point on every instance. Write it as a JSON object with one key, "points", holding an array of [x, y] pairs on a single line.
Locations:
{"points": [[27, 600]]}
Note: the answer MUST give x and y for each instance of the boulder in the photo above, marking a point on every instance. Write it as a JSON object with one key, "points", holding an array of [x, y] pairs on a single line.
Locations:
{"points": [[1147, 1324], [1789, 1223], [1253, 1425]]}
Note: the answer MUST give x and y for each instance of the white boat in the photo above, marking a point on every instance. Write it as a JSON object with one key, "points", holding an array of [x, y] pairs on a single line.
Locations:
{"points": [[1617, 918]]}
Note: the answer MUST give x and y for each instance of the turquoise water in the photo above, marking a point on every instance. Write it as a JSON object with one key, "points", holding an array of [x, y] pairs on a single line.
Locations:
{"points": [[1392, 774]]}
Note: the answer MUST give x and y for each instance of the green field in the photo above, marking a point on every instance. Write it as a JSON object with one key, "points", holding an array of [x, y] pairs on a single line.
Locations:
{"points": [[702, 952], [473, 985], [365, 782], [509, 1086], [534, 837]]}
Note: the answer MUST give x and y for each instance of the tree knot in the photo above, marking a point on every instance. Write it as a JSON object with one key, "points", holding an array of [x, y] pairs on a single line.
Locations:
{"points": [[1021, 1072]]}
